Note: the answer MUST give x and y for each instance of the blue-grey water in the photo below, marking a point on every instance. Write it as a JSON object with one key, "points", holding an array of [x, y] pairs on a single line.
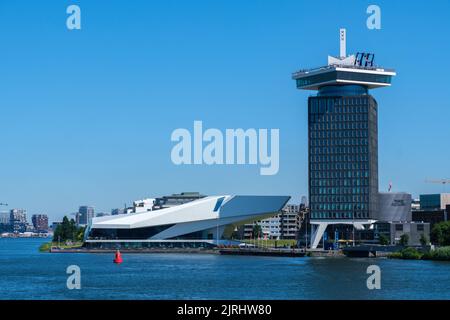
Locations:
{"points": [[26, 273]]}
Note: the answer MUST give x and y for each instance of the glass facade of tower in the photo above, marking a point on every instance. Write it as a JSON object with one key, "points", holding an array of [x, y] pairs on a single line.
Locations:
{"points": [[343, 153]]}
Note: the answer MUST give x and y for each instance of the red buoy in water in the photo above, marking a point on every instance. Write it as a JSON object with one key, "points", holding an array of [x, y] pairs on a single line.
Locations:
{"points": [[118, 257]]}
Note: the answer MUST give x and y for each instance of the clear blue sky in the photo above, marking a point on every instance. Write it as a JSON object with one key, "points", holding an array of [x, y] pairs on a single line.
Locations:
{"points": [[86, 116]]}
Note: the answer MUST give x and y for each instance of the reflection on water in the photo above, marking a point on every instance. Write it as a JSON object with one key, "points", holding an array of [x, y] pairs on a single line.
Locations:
{"points": [[27, 274]]}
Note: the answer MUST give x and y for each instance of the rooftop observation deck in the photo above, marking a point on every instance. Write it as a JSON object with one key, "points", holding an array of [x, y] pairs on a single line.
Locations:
{"points": [[343, 74]]}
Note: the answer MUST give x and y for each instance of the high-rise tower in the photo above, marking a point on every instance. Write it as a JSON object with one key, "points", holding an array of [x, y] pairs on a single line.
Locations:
{"points": [[343, 139]]}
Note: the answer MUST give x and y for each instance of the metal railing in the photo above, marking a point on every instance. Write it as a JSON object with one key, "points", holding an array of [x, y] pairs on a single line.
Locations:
{"points": [[302, 72]]}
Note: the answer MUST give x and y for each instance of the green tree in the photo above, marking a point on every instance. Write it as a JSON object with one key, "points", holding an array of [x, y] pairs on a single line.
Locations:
{"points": [[440, 234], [80, 234], [383, 240], [65, 229], [257, 231], [73, 230], [57, 233], [404, 239], [68, 231], [423, 240]]}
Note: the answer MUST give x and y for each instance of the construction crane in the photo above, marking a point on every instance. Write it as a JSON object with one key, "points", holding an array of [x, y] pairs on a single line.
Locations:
{"points": [[444, 182]]}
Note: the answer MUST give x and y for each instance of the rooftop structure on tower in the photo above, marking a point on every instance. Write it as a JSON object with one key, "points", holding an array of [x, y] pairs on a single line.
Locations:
{"points": [[359, 69]]}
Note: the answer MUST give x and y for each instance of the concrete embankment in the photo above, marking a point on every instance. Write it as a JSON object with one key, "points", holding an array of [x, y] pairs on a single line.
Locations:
{"points": [[263, 252], [365, 251], [324, 253], [359, 251], [172, 250], [223, 251]]}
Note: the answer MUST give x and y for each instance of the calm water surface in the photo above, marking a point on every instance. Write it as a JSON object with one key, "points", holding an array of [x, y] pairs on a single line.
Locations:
{"points": [[27, 274]]}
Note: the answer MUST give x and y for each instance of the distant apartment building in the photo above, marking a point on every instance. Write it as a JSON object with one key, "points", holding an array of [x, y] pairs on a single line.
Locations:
{"points": [[141, 206], [245, 231], [150, 204], [290, 221], [285, 225], [4, 221], [304, 202], [102, 214], [85, 215], [4, 217], [40, 222], [434, 201], [434, 208], [117, 211], [177, 199], [18, 220], [270, 227]]}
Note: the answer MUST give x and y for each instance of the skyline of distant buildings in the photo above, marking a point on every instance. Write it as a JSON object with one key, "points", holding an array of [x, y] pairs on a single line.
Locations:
{"points": [[416, 217]]}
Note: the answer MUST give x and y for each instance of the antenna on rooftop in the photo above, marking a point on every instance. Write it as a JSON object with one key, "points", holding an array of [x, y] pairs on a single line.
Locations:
{"points": [[342, 43], [342, 59]]}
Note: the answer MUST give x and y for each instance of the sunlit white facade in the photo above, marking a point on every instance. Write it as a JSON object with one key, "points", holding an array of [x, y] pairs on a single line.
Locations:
{"points": [[208, 220]]}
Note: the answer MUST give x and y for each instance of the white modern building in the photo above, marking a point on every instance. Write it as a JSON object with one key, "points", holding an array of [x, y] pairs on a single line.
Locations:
{"points": [[271, 227], [284, 225], [141, 206], [204, 222]]}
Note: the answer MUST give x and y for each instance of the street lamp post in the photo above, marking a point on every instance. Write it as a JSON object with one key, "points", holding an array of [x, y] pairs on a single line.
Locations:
{"points": [[217, 230], [353, 226], [353, 235]]}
